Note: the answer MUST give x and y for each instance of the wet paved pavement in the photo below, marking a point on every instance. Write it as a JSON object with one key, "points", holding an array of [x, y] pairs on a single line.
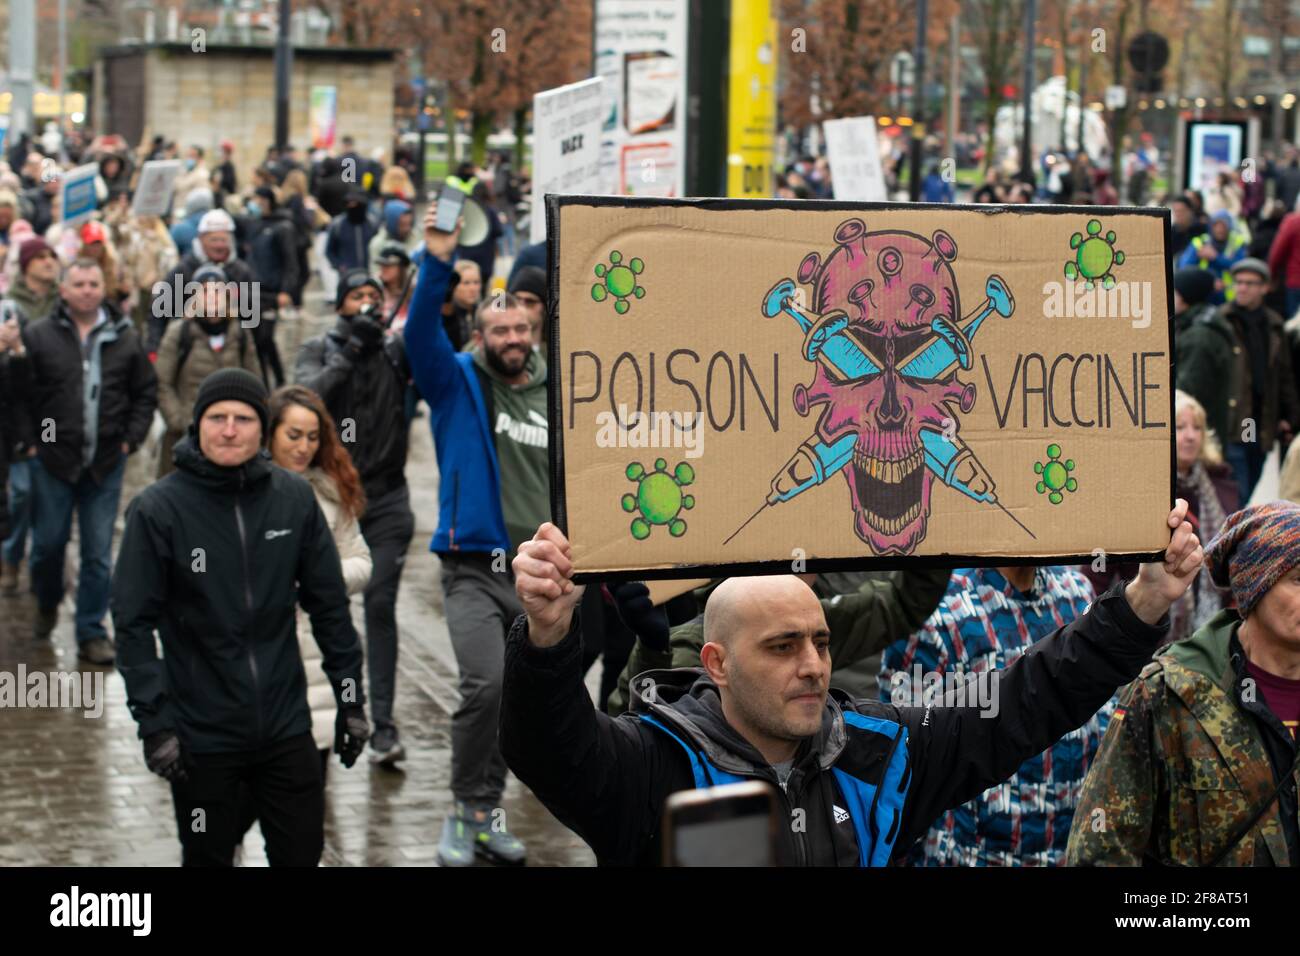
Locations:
{"points": [[74, 790]]}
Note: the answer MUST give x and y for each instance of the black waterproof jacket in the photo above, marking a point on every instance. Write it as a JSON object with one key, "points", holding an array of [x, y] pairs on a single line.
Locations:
{"points": [[50, 398], [273, 253], [370, 390], [608, 779], [216, 559]]}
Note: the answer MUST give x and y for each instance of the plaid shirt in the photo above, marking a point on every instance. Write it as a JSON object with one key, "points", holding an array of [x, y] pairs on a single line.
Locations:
{"points": [[985, 623]]}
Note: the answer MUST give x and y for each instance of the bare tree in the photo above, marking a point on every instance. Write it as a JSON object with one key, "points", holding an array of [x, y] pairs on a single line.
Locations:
{"points": [[1220, 42], [843, 54], [995, 29]]}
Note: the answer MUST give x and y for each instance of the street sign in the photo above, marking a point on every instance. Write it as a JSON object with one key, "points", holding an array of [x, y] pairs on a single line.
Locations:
{"points": [[641, 51], [1148, 52]]}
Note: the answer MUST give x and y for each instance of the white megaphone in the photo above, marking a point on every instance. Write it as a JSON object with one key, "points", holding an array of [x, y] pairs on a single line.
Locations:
{"points": [[477, 226]]}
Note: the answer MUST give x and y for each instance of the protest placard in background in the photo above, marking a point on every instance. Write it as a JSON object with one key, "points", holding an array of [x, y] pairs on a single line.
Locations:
{"points": [[153, 193], [853, 154], [566, 145], [78, 194]]}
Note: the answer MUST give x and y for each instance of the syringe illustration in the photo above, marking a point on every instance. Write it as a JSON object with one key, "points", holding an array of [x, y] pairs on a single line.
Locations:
{"points": [[829, 341]]}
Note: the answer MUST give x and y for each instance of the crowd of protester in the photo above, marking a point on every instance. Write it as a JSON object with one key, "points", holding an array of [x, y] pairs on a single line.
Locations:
{"points": [[288, 477]]}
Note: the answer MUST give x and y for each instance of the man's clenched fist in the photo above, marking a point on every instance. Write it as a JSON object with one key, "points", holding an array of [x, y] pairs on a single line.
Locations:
{"points": [[544, 582], [1157, 586]]}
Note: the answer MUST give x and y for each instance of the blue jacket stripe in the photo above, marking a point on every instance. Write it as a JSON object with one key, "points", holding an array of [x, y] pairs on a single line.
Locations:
{"points": [[889, 808], [879, 725], [874, 849], [706, 775]]}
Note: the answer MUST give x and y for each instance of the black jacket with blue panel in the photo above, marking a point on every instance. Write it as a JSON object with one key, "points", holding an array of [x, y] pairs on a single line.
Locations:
{"points": [[869, 784]]}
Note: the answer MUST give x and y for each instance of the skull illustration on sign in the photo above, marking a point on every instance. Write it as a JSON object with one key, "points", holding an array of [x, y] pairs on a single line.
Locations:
{"points": [[887, 337]]}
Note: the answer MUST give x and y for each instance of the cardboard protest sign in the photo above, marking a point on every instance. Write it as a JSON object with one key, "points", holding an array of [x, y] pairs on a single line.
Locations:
{"points": [[153, 193], [661, 592], [741, 386]]}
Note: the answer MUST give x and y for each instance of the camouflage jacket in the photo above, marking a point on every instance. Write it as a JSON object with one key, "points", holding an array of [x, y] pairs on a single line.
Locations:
{"points": [[1182, 768]]}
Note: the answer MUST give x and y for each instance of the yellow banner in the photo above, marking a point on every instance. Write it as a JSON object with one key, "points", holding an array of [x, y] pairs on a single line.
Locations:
{"points": [[751, 101]]}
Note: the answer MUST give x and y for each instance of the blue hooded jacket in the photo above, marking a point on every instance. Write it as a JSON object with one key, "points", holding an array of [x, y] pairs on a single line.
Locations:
{"points": [[469, 493], [393, 210]]}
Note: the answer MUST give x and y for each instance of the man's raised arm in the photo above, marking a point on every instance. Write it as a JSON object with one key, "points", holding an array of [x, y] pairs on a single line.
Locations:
{"points": [[599, 776], [428, 350]]}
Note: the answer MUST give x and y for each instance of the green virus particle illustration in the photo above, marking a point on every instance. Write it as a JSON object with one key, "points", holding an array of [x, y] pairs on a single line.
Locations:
{"points": [[659, 497], [1093, 257], [619, 281], [1055, 475]]}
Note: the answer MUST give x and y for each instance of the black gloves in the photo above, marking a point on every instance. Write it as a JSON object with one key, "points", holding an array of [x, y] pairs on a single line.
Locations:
{"points": [[647, 622], [367, 335], [162, 754], [351, 731]]}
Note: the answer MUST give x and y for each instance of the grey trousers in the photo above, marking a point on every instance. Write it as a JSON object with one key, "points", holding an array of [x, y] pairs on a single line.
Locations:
{"points": [[481, 605]]}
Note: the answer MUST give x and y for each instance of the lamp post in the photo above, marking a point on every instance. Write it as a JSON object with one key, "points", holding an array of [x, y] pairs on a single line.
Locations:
{"points": [[61, 86], [1027, 95], [918, 103], [283, 71]]}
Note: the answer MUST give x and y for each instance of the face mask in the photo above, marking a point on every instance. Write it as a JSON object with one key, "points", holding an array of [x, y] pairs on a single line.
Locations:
{"points": [[213, 326], [190, 164], [356, 213], [253, 209]]}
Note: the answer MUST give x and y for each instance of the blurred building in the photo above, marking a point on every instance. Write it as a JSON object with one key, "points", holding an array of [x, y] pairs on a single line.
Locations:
{"points": [[227, 91]]}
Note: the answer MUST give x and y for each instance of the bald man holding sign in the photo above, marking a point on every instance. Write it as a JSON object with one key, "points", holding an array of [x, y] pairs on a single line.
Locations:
{"points": [[859, 780]]}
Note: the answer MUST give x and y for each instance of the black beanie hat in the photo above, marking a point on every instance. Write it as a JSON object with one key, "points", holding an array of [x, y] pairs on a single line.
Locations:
{"points": [[355, 279], [530, 279], [233, 385], [1194, 285]]}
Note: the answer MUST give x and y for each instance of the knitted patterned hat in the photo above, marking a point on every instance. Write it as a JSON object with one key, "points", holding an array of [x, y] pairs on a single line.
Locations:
{"points": [[1254, 549]]}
